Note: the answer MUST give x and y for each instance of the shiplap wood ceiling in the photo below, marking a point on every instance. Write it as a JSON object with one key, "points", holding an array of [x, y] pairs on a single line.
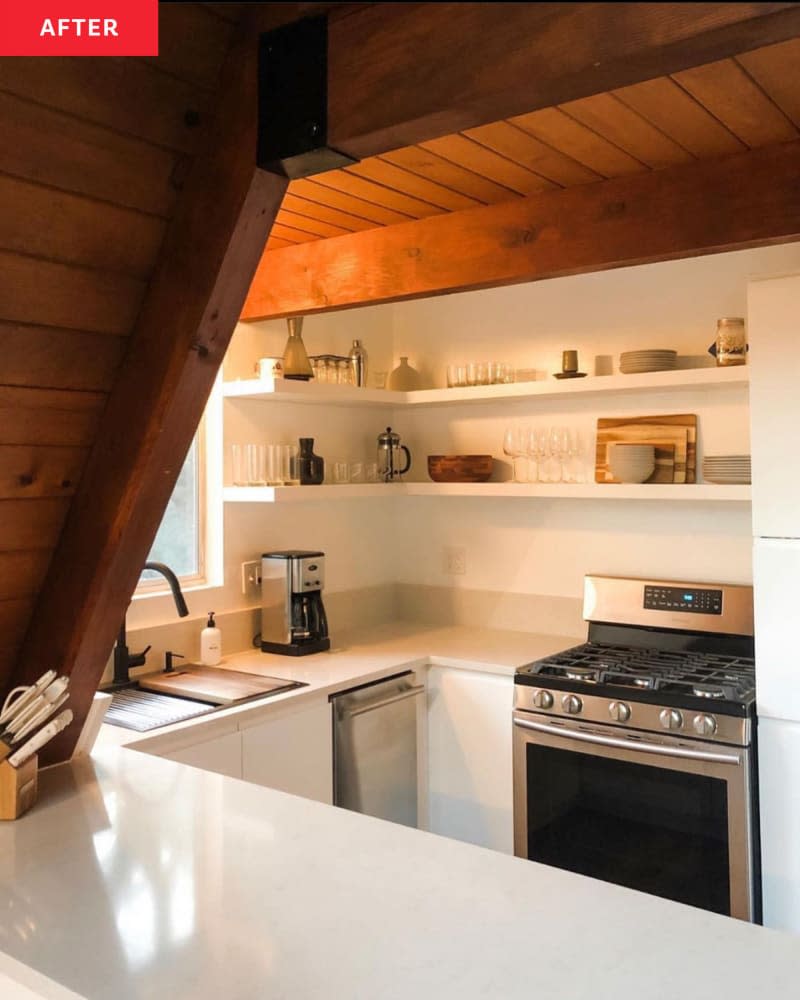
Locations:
{"points": [[722, 107]]}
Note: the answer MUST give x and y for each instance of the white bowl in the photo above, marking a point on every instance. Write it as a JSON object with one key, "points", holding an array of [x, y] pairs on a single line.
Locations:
{"points": [[631, 463]]}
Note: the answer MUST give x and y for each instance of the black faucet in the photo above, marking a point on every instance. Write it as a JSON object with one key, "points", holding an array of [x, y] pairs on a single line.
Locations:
{"points": [[123, 658]]}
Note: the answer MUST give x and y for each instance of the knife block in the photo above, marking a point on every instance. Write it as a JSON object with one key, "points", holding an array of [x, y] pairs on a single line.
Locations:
{"points": [[19, 787]]}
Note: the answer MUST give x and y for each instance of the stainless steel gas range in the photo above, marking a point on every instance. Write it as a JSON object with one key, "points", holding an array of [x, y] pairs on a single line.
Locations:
{"points": [[634, 753]]}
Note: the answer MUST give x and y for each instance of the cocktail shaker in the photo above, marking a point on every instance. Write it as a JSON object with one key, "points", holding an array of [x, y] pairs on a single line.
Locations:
{"points": [[358, 363]]}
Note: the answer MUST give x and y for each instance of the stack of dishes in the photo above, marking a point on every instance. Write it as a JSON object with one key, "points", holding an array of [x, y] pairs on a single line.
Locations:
{"points": [[635, 362], [727, 469], [631, 463]]}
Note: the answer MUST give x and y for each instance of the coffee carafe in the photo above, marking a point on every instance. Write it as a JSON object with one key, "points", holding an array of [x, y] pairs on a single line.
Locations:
{"points": [[293, 620], [389, 457]]}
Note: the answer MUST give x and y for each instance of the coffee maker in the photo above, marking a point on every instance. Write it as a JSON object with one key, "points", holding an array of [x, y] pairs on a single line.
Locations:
{"points": [[293, 620]]}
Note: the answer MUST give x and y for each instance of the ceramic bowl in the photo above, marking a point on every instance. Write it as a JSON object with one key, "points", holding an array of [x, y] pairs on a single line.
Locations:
{"points": [[631, 463], [460, 468]]}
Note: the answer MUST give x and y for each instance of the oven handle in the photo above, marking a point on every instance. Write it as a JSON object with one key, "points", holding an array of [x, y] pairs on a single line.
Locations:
{"points": [[611, 741]]}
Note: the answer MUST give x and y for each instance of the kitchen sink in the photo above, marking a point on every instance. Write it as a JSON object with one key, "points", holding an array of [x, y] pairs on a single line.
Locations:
{"points": [[132, 708]]}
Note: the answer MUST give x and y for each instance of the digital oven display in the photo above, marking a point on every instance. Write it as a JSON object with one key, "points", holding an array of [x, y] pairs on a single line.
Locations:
{"points": [[695, 600]]}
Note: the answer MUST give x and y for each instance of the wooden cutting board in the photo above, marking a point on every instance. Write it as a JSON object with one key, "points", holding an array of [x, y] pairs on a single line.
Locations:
{"points": [[221, 687], [656, 424]]}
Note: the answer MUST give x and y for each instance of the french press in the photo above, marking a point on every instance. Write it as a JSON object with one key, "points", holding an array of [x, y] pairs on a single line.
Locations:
{"points": [[389, 449]]}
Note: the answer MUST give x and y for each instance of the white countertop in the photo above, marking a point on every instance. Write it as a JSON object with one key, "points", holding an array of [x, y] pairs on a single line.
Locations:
{"points": [[138, 877]]}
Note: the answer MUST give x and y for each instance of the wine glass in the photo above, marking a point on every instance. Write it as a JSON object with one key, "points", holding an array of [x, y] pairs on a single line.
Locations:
{"points": [[514, 445], [559, 449], [539, 451]]}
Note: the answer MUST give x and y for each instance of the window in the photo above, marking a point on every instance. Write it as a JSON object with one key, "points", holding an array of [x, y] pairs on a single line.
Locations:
{"points": [[180, 535], [189, 539]]}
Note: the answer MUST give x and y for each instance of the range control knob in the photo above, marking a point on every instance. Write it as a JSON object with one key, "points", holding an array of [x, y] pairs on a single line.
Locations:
{"points": [[671, 718], [571, 704], [543, 699], [619, 711], [704, 725]]}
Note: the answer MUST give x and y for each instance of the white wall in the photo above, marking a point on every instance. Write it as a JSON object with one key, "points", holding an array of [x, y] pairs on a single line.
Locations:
{"points": [[515, 546]]}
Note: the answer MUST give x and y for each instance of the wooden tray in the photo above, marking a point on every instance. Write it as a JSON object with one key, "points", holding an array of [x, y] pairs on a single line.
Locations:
{"points": [[658, 428]]}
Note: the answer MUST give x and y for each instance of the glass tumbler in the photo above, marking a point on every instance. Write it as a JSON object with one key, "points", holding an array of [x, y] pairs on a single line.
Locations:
{"points": [[290, 469], [255, 460]]}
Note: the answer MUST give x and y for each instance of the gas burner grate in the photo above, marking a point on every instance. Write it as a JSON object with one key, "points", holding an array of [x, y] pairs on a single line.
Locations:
{"points": [[703, 675]]}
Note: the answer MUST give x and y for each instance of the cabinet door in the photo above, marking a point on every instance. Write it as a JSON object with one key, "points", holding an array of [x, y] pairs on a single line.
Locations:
{"points": [[470, 789], [292, 751], [779, 791], [774, 405], [223, 755]]}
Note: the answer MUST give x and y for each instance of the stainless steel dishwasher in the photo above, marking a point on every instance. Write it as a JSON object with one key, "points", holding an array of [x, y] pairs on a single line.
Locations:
{"points": [[375, 749]]}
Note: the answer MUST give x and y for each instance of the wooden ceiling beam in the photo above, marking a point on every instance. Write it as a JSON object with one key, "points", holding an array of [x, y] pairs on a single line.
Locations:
{"points": [[403, 73], [212, 246], [744, 200]]}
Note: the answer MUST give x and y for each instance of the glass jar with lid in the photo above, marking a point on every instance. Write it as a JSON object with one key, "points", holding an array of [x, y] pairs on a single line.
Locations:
{"points": [[731, 341]]}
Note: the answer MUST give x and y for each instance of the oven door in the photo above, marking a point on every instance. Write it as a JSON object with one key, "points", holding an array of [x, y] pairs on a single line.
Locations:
{"points": [[670, 817]]}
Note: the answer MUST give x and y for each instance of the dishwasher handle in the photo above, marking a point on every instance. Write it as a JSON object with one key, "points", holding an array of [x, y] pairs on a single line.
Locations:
{"points": [[373, 706]]}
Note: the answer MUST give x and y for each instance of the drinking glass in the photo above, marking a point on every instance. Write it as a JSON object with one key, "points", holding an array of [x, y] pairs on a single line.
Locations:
{"points": [[514, 445], [472, 373], [238, 465], [290, 467], [341, 473], [452, 376], [255, 459], [559, 448], [540, 448], [371, 472], [356, 472]]}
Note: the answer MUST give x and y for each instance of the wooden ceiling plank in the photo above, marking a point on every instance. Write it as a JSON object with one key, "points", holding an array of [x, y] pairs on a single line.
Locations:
{"points": [[31, 524], [217, 236], [322, 195], [729, 93], [748, 199], [350, 183], [389, 85], [313, 210], [125, 95], [290, 234], [472, 155], [579, 142], [776, 69], [49, 294], [522, 147], [307, 225], [672, 110], [192, 42], [39, 471], [275, 243], [73, 229], [383, 171], [22, 573], [43, 417], [49, 147], [53, 358], [619, 124], [424, 163]]}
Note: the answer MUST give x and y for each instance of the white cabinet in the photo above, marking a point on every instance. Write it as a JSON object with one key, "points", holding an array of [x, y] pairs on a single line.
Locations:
{"points": [[779, 789], [470, 790], [222, 754], [776, 583], [292, 750], [773, 307]]}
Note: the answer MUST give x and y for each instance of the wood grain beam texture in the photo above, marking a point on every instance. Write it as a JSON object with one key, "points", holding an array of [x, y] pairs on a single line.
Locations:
{"points": [[211, 248], [745, 200], [403, 73]]}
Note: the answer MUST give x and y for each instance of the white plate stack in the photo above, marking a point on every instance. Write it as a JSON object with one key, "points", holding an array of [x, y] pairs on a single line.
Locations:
{"points": [[732, 470], [636, 362]]}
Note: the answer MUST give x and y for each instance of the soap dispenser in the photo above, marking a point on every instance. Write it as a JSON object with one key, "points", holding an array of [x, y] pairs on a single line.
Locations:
{"points": [[210, 643]]}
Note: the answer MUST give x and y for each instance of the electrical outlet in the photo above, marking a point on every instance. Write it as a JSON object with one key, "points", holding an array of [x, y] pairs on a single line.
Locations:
{"points": [[455, 560], [251, 578]]}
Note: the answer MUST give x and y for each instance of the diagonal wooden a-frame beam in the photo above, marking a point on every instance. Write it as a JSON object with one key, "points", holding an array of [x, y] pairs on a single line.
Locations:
{"points": [[210, 252]]}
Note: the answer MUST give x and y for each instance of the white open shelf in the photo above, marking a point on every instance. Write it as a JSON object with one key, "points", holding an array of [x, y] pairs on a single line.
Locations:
{"points": [[290, 391], [682, 493]]}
